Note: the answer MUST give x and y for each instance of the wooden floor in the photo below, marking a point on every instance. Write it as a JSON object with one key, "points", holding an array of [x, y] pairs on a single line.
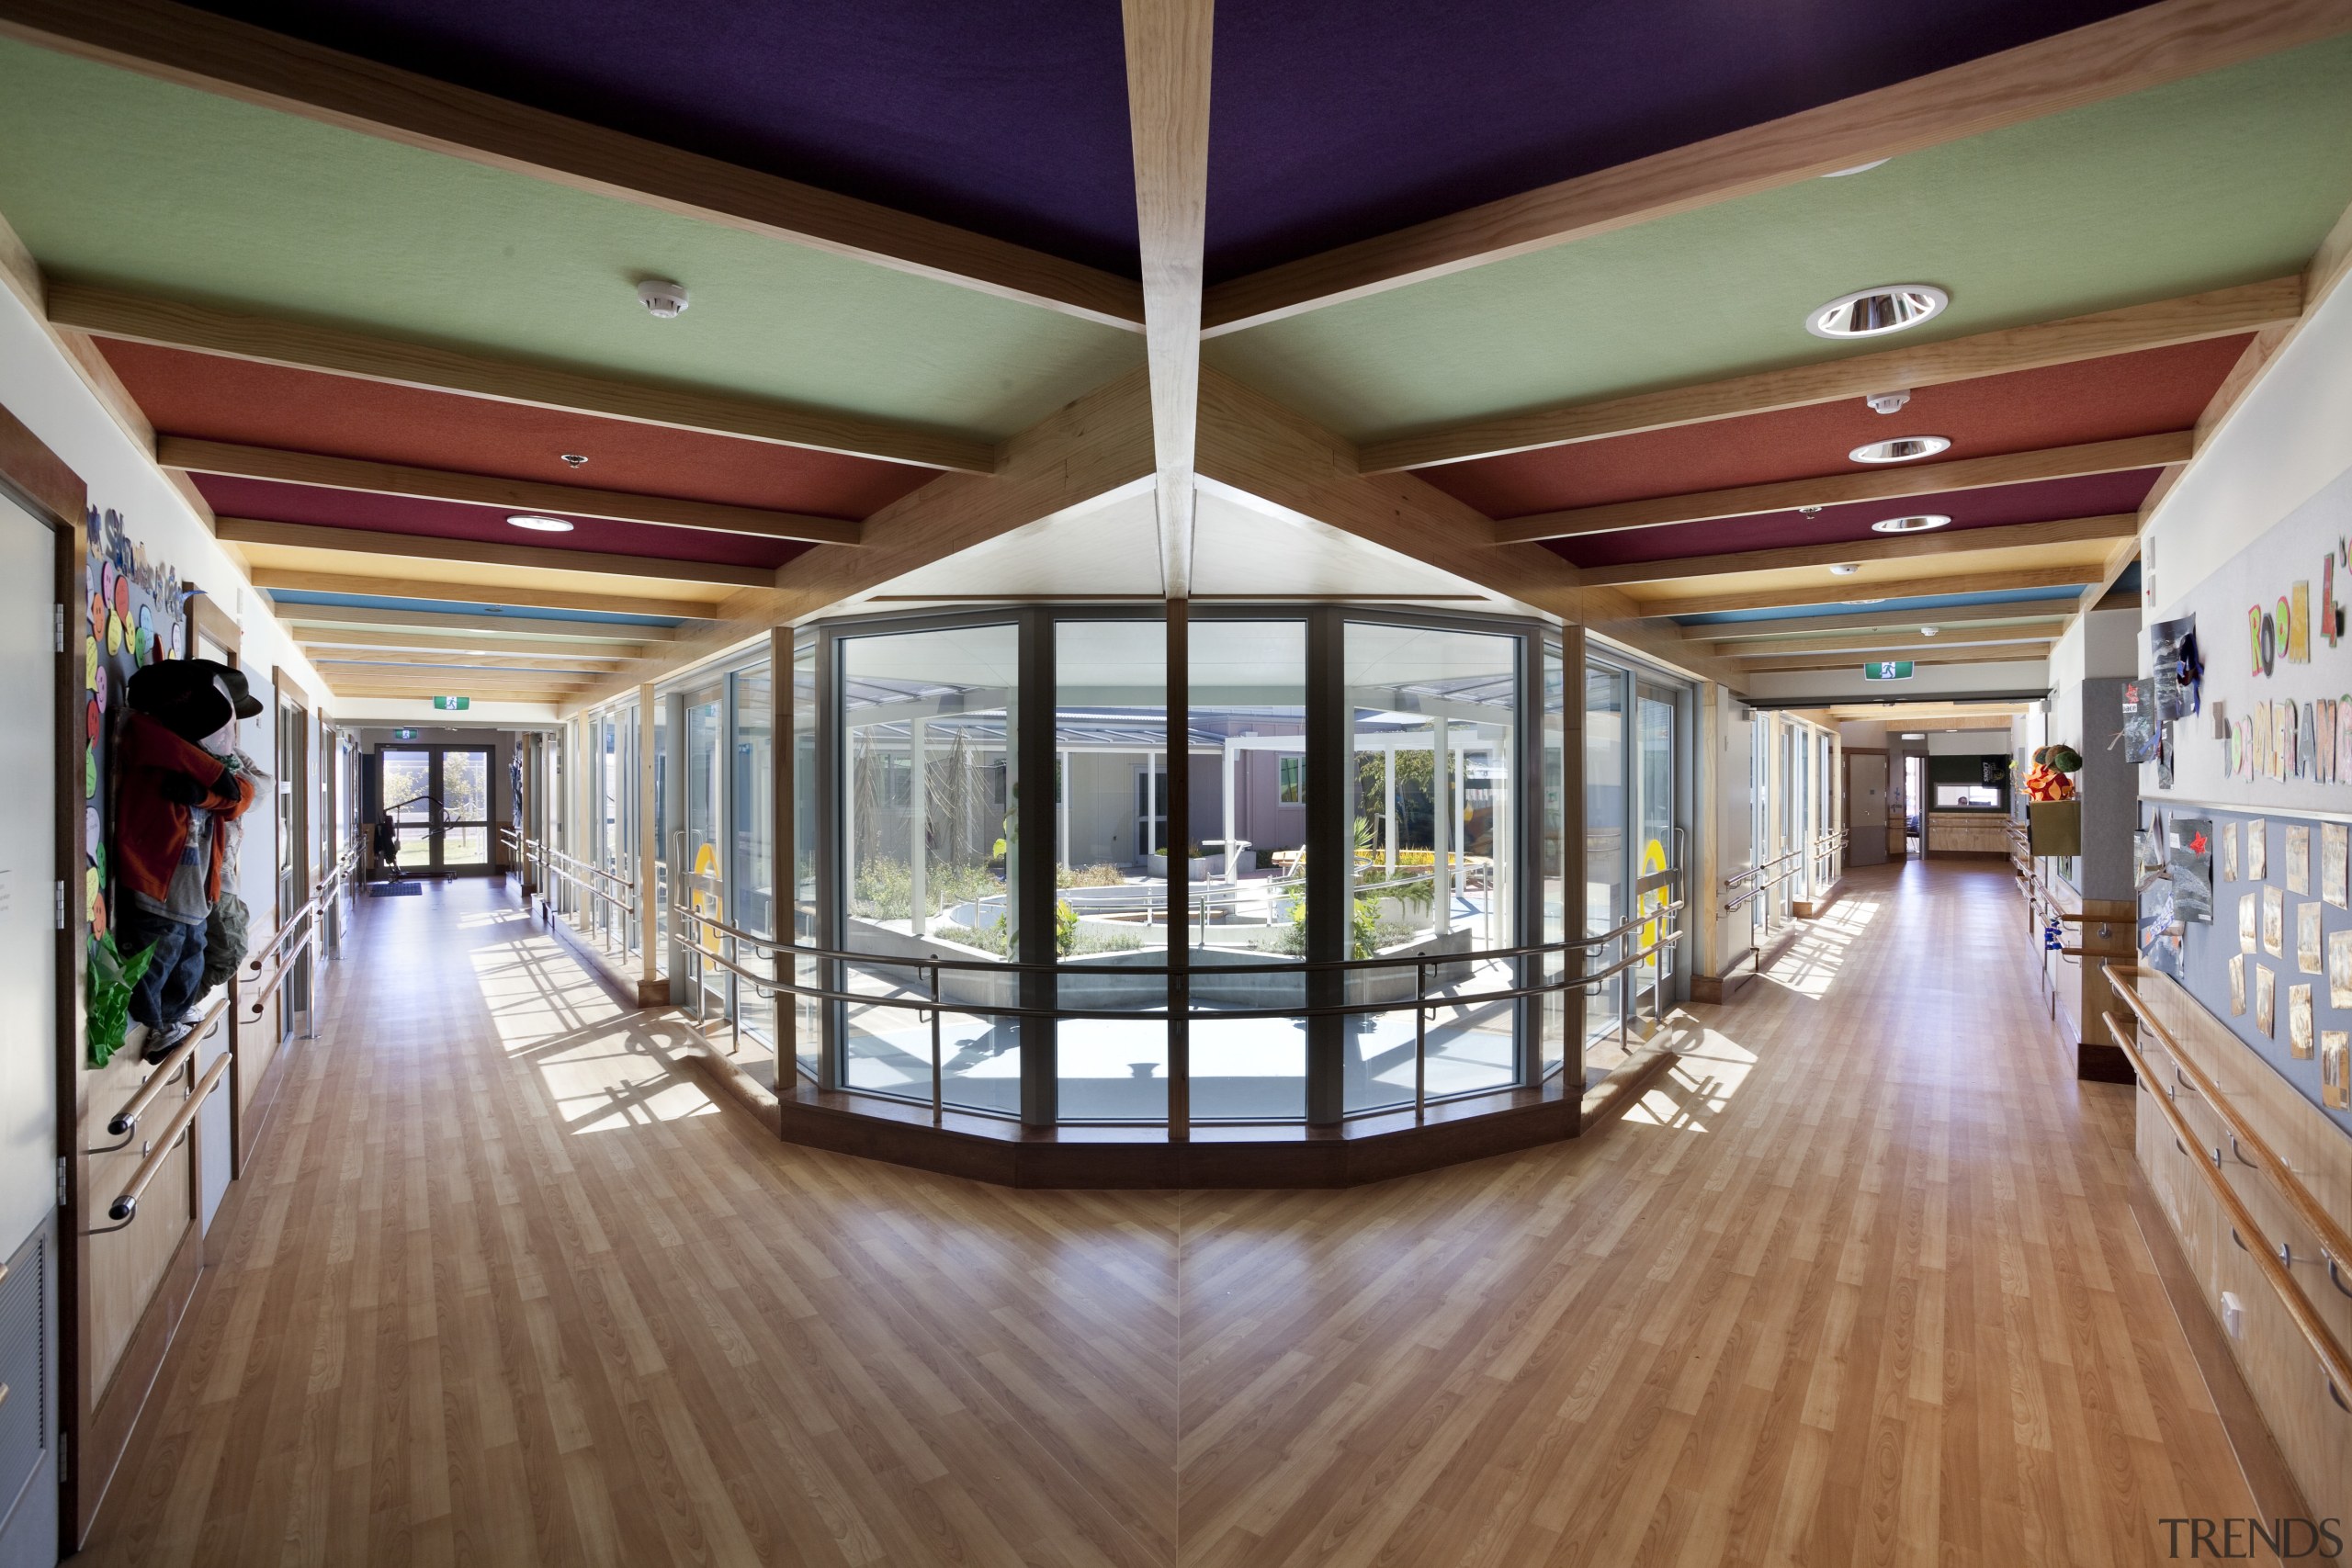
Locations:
{"points": [[1858, 1285]]}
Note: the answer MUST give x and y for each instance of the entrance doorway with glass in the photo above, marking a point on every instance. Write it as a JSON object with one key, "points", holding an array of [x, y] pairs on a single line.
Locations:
{"points": [[1633, 845], [439, 800]]}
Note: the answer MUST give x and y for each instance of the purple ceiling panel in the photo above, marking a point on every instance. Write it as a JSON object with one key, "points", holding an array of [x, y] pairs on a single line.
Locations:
{"points": [[1333, 120], [2045, 500], [1009, 119]]}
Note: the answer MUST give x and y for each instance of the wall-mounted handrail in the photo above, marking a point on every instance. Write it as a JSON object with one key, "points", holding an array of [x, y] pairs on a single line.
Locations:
{"points": [[125, 1209], [260, 1002], [2333, 1239], [125, 1121], [2333, 1363], [1737, 878]]}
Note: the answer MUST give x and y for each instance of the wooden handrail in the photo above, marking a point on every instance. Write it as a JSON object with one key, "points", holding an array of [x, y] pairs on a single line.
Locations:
{"points": [[2333, 1239], [125, 1209], [126, 1120], [2333, 1361]]}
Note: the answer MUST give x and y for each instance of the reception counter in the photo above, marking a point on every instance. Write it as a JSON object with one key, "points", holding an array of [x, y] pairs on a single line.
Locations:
{"points": [[1968, 834]]}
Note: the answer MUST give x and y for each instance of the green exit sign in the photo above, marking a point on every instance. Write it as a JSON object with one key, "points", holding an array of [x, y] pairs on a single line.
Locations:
{"points": [[457, 704], [404, 734], [1887, 670]]}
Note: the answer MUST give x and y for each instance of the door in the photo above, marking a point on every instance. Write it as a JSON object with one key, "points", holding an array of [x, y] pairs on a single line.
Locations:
{"points": [[1152, 810], [439, 800], [697, 857], [28, 1047], [1866, 808], [1656, 847]]}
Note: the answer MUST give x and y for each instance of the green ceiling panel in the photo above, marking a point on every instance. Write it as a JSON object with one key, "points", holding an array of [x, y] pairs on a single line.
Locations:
{"points": [[2222, 179], [110, 177]]}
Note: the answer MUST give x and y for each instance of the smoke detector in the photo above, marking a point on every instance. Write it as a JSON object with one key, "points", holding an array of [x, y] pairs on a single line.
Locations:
{"points": [[1927, 631], [662, 298], [1888, 402], [1844, 568]]}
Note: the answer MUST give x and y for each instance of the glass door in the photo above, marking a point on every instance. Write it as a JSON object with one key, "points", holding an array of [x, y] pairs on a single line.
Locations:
{"points": [[438, 799], [462, 841], [1656, 852], [696, 859]]}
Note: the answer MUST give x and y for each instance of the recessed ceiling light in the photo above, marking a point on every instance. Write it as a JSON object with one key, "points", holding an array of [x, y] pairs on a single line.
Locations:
{"points": [[1844, 568], [1914, 735], [1874, 313], [573, 459], [1856, 169], [541, 524], [1919, 523], [1866, 600], [1901, 449]]}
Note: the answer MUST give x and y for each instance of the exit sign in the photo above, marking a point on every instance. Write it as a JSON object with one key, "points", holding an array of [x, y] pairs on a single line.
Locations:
{"points": [[456, 705], [403, 734], [1887, 670]]}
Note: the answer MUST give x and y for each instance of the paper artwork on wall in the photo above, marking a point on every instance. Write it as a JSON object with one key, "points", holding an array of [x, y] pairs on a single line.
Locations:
{"points": [[2245, 922], [2335, 860], [2299, 857], [2265, 1002], [2339, 968], [2229, 851], [2238, 985], [2343, 739], [2336, 1069], [2140, 740], [2299, 1020], [2299, 623], [2264, 636], [2188, 855], [2257, 850], [2273, 922], [2307, 938], [2176, 671], [2282, 737]]}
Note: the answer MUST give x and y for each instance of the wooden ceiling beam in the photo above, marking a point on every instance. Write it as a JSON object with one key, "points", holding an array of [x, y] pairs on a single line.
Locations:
{"points": [[1168, 51], [2130, 53], [453, 663], [2052, 612], [619, 602], [271, 340], [2007, 653], [1895, 640], [194, 456], [1878, 547], [2164, 323], [215, 54], [1850, 591], [1872, 484], [483, 552]]}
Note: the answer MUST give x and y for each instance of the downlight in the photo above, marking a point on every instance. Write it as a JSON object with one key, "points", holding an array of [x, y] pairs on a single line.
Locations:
{"points": [[1874, 313], [1844, 568], [1902, 449], [1918, 524], [541, 524]]}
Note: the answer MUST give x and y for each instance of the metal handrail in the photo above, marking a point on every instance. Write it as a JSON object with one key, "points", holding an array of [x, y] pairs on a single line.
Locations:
{"points": [[260, 1003], [124, 1124], [934, 1005], [577, 867], [2334, 1242], [1734, 880], [125, 1209], [2333, 1363]]}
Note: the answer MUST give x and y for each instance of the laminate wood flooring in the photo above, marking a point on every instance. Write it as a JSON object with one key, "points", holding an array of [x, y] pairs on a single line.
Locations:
{"points": [[1858, 1283]]}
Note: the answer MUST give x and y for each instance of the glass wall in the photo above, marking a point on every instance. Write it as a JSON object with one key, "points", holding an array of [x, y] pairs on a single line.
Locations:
{"points": [[1605, 839], [750, 813], [927, 788], [1434, 717], [1634, 845], [808, 1014]]}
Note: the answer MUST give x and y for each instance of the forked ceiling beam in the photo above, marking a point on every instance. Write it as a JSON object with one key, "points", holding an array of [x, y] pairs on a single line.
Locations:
{"points": [[221, 457], [2130, 53], [1878, 547], [1873, 485], [2008, 653], [2052, 612], [195, 49], [272, 340], [274, 579], [1168, 48], [1896, 640], [1856, 589], [2165, 323], [480, 552]]}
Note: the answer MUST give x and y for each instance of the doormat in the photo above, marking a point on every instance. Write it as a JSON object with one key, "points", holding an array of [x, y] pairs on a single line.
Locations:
{"points": [[394, 889]]}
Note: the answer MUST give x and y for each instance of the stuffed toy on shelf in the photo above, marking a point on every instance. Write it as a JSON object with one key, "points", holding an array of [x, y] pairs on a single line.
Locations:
{"points": [[182, 785], [2049, 778]]}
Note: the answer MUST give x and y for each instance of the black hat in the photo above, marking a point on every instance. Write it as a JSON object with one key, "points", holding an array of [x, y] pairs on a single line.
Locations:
{"points": [[240, 693], [173, 683]]}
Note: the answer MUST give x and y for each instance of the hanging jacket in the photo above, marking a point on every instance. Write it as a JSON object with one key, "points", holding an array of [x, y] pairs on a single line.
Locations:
{"points": [[150, 827]]}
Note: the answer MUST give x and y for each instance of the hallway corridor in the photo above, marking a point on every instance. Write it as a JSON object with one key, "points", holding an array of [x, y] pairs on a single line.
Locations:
{"points": [[1858, 1284]]}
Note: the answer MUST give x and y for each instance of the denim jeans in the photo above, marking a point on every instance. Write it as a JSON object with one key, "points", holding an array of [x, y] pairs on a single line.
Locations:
{"points": [[174, 976]]}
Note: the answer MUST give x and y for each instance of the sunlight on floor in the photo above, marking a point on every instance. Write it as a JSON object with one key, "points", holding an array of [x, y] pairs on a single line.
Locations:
{"points": [[594, 1059], [1707, 1073], [1810, 966]]}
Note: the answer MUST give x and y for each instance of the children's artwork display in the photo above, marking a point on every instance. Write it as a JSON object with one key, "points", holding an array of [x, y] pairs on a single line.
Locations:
{"points": [[2238, 985], [2299, 857], [2335, 842], [2339, 968], [2257, 850], [2188, 856], [2248, 904], [2336, 1069], [2298, 1022], [2230, 851], [2273, 922], [2307, 923], [2266, 1001]]}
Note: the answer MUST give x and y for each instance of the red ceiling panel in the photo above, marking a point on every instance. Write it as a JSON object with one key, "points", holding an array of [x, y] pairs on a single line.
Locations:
{"points": [[2066, 405], [219, 399], [275, 502]]}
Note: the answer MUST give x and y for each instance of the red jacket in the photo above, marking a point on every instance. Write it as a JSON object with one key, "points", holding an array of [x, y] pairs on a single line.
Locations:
{"points": [[151, 830]]}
